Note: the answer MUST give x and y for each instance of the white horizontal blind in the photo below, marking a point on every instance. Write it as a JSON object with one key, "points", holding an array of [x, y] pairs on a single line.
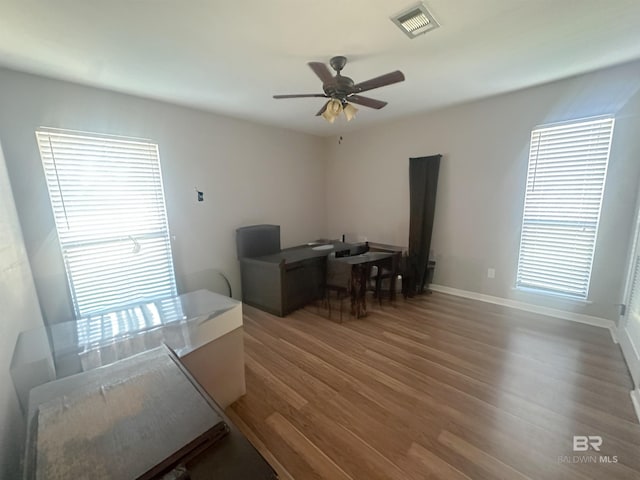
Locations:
{"points": [[565, 184], [95, 329], [109, 210]]}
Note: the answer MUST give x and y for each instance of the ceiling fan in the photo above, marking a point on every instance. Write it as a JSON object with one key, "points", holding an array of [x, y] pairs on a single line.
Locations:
{"points": [[343, 91]]}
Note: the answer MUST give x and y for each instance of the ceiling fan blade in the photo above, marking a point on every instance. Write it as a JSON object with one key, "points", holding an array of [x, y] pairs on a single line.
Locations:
{"points": [[366, 101], [321, 111], [301, 95], [381, 81], [322, 71]]}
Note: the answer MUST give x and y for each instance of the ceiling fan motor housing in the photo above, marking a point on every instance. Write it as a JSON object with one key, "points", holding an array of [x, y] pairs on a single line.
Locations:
{"points": [[341, 87]]}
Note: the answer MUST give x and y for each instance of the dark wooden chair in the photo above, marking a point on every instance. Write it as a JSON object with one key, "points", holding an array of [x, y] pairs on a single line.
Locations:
{"points": [[384, 277], [338, 280]]}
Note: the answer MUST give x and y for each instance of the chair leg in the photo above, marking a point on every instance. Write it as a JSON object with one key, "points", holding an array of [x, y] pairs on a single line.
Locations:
{"points": [[320, 302], [392, 287]]}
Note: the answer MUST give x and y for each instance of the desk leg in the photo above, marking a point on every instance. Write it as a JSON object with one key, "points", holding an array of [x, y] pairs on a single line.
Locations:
{"points": [[359, 275]]}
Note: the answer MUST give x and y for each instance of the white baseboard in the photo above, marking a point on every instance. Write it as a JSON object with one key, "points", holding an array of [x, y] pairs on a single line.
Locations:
{"points": [[528, 307], [635, 399]]}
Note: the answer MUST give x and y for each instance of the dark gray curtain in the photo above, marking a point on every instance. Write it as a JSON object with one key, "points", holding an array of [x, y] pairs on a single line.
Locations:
{"points": [[423, 183]]}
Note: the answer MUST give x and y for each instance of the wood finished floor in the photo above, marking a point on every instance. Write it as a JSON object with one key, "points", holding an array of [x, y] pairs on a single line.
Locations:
{"points": [[434, 387]]}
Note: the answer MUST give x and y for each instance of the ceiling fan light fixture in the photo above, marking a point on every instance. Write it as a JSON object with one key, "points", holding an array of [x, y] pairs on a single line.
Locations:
{"points": [[328, 116], [415, 21], [333, 110], [335, 107], [349, 111]]}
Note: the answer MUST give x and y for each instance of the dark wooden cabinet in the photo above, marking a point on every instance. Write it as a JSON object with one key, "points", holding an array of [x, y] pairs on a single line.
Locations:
{"points": [[285, 281], [281, 281]]}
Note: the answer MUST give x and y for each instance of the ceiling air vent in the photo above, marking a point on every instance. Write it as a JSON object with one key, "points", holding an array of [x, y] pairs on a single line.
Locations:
{"points": [[415, 21]]}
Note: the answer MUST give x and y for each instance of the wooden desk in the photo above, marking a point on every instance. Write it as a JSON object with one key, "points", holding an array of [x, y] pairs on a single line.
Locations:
{"points": [[384, 247], [282, 282], [360, 272]]}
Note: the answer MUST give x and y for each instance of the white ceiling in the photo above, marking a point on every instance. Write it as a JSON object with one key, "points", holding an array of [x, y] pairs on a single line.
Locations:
{"points": [[232, 56]]}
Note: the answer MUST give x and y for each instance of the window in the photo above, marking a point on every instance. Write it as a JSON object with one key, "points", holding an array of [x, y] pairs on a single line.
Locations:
{"points": [[565, 183], [108, 203]]}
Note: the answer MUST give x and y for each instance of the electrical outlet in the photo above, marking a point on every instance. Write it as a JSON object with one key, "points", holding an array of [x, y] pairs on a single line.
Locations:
{"points": [[491, 273]]}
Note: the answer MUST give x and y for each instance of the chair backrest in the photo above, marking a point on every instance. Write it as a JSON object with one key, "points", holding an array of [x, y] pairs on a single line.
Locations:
{"points": [[338, 273], [257, 240]]}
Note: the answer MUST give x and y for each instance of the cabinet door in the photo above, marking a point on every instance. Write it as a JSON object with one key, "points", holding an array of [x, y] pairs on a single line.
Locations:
{"points": [[304, 283]]}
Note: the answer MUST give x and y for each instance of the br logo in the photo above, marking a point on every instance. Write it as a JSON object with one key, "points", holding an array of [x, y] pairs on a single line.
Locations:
{"points": [[582, 443]]}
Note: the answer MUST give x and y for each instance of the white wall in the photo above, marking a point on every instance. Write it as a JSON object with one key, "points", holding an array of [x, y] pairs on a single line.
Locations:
{"points": [[481, 183], [19, 311], [249, 174]]}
